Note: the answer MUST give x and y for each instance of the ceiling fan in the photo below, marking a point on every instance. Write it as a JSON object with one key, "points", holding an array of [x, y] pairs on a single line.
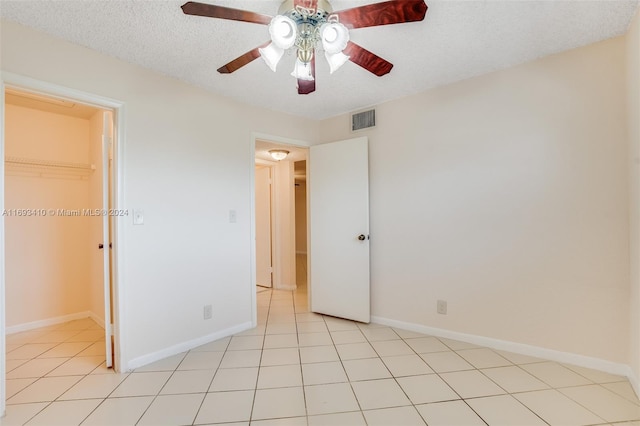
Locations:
{"points": [[310, 26]]}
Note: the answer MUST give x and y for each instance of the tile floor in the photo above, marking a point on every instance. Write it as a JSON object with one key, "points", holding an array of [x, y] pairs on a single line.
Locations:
{"points": [[300, 368]]}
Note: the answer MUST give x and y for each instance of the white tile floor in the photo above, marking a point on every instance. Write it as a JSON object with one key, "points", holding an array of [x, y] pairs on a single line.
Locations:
{"points": [[299, 368]]}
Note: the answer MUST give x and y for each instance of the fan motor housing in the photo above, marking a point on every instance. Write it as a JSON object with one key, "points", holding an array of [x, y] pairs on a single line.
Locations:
{"points": [[322, 7]]}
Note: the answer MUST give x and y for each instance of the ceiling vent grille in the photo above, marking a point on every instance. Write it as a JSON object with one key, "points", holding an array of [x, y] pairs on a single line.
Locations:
{"points": [[363, 120]]}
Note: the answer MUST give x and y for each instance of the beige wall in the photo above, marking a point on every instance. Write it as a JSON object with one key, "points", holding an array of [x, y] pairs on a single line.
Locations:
{"points": [[187, 162], [633, 91], [46, 257], [507, 196], [301, 216]]}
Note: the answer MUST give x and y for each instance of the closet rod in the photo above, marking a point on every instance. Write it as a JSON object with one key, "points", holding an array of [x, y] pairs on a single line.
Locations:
{"points": [[47, 163]]}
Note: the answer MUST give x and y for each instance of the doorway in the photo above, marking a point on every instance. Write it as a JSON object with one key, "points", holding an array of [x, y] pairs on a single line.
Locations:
{"points": [[55, 194], [58, 196], [302, 261], [338, 226], [280, 216]]}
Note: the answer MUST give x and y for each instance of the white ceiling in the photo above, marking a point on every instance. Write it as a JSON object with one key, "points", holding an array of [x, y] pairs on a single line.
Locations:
{"points": [[457, 40]]}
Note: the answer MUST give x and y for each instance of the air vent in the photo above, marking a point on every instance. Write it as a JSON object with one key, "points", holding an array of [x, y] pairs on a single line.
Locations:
{"points": [[363, 120]]}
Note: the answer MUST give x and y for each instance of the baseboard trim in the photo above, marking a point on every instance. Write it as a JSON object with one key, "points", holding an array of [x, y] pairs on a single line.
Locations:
{"points": [[519, 348], [96, 318], [285, 287], [635, 382], [18, 328], [185, 346]]}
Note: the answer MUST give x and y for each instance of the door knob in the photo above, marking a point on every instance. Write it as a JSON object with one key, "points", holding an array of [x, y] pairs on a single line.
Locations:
{"points": [[362, 237]]}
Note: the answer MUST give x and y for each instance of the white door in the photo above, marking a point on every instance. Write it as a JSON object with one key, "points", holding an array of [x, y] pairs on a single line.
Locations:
{"points": [[106, 237], [339, 229], [263, 226]]}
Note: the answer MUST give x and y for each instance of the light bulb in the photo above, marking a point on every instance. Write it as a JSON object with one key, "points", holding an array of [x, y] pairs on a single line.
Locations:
{"points": [[283, 31], [335, 37], [330, 34]]}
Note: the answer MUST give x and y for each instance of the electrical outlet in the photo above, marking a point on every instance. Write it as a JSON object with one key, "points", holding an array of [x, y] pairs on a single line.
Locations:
{"points": [[208, 312], [442, 307]]}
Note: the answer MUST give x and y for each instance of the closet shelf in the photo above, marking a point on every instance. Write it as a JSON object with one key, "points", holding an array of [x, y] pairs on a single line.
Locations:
{"points": [[48, 167]]}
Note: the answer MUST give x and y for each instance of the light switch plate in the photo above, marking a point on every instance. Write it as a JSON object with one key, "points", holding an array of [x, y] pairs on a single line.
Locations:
{"points": [[138, 217]]}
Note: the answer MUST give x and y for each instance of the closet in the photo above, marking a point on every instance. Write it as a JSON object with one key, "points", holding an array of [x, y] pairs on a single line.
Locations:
{"points": [[53, 225]]}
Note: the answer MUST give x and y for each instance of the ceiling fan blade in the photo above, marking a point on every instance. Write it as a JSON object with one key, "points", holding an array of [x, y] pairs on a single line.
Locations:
{"points": [[213, 11], [305, 86], [242, 60], [385, 13], [367, 60]]}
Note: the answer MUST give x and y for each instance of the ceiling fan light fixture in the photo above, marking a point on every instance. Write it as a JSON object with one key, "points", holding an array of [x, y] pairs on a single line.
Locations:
{"points": [[311, 26], [278, 154], [283, 31], [302, 71], [335, 60], [335, 37], [271, 55]]}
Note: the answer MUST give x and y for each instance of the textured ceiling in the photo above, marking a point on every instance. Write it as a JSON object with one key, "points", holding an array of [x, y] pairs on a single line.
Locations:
{"points": [[457, 40]]}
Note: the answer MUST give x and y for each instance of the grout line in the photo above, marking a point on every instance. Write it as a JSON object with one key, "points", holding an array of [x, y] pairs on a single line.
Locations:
{"points": [[255, 389], [274, 307], [45, 375], [335, 348], [304, 393]]}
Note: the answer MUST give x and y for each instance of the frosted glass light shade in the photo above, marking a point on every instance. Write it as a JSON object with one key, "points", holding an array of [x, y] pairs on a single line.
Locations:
{"points": [[271, 55], [335, 60], [278, 154], [335, 37], [302, 71], [283, 31]]}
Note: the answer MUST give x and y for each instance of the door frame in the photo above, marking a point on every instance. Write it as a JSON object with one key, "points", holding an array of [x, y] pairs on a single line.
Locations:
{"points": [[252, 167], [28, 84], [269, 165]]}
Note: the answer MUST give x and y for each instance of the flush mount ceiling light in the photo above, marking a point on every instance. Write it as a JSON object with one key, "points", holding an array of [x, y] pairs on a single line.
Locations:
{"points": [[278, 154], [309, 26]]}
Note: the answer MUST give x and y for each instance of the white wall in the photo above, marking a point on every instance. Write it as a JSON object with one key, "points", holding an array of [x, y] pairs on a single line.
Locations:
{"points": [[47, 256], [633, 91], [507, 196], [188, 161], [504, 194]]}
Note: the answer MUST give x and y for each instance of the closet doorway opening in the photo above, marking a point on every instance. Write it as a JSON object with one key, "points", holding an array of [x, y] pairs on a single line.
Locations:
{"points": [[59, 226]]}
